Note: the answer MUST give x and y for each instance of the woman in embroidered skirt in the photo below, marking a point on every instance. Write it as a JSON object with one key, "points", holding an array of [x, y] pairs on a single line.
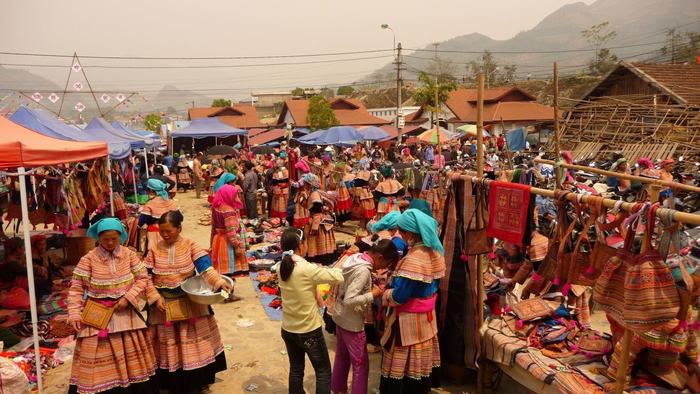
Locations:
{"points": [[189, 350], [362, 195], [184, 174], [158, 204], [343, 201], [411, 349], [280, 191], [320, 239], [387, 192], [227, 246], [118, 354], [301, 211]]}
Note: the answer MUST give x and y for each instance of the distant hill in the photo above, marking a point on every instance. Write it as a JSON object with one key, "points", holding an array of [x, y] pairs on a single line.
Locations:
{"points": [[635, 21], [12, 78]]}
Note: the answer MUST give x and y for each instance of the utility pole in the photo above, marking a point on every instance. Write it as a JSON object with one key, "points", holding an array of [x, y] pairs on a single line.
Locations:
{"points": [[399, 100], [437, 104]]}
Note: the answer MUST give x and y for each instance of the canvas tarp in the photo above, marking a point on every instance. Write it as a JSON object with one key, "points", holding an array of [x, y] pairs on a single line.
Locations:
{"points": [[148, 138], [21, 147], [45, 123], [208, 127]]}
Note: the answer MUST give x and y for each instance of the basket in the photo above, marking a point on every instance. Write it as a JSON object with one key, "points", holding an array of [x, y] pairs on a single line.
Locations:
{"points": [[194, 286]]}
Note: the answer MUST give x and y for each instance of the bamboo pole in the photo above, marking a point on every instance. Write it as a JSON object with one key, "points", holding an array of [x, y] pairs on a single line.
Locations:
{"points": [[641, 179], [678, 216], [557, 144], [479, 219]]}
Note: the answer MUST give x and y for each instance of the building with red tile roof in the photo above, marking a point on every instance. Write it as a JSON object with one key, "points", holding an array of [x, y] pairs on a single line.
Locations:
{"points": [[511, 107], [242, 116], [349, 112]]}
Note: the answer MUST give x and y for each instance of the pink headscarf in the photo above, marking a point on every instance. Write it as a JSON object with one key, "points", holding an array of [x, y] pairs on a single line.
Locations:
{"points": [[567, 156], [302, 166], [227, 196]]}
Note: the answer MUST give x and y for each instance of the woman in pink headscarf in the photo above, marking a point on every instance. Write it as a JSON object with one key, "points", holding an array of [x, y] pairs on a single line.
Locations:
{"points": [[227, 246], [406, 156]]}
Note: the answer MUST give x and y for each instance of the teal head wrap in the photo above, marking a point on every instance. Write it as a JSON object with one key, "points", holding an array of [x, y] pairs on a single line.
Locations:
{"points": [[386, 170], [312, 179], [415, 221], [225, 178], [158, 187], [421, 205], [387, 222], [107, 224]]}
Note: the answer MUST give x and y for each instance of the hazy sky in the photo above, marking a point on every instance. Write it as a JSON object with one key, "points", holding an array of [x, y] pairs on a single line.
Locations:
{"points": [[243, 28]]}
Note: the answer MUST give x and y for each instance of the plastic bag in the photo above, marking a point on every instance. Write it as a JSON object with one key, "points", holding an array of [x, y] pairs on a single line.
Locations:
{"points": [[12, 379]]}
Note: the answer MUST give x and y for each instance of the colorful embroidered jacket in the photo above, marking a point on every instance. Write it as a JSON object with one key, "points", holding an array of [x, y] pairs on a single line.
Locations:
{"points": [[413, 287], [104, 275], [225, 218], [171, 265], [154, 209]]}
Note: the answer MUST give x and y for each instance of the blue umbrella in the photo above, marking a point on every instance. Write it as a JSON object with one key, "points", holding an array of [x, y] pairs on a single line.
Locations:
{"points": [[373, 133], [311, 137], [339, 134]]}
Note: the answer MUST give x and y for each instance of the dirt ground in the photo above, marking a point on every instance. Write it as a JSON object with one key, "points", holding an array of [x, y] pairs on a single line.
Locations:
{"points": [[257, 361]]}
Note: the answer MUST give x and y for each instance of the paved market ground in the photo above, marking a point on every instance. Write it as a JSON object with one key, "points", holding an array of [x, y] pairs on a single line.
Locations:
{"points": [[257, 361]]}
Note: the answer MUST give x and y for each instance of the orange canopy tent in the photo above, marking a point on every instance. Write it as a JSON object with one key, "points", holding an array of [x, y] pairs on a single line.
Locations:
{"points": [[20, 148]]}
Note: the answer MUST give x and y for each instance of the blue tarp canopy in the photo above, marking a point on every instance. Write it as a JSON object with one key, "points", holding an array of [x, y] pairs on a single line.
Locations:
{"points": [[208, 127], [99, 126], [151, 139], [46, 123], [339, 135], [373, 133]]}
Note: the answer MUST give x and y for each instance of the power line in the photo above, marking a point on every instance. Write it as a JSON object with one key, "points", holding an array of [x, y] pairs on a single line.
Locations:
{"points": [[202, 67], [197, 58], [534, 52]]}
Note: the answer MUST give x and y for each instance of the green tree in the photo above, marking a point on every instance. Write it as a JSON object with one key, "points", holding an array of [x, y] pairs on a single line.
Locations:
{"points": [[425, 94], [320, 115], [599, 36], [681, 47], [345, 90], [220, 102], [298, 92], [153, 122], [494, 73]]}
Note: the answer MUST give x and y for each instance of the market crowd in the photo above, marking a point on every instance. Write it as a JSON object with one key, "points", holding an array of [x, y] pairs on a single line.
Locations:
{"points": [[138, 332]]}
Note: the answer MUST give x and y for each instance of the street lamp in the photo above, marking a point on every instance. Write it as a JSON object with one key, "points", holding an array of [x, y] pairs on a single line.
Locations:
{"points": [[385, 26]]}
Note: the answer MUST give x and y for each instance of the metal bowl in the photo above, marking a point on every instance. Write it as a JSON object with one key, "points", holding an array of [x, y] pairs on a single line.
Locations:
{"points": [[196, 285]]}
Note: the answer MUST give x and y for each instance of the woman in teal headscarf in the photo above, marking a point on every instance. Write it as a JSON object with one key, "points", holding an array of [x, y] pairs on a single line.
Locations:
{"points": [[158, 204], [387, 192], [411, 348], [386, 228], [226, 179], [116, 356]]}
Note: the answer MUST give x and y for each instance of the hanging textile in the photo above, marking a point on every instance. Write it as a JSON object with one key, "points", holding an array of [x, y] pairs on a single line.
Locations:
{"points": [[508, 213], [459, 309]]}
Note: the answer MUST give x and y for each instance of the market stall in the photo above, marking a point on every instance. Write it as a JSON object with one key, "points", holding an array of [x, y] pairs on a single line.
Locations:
{"points": [[21, 149]]}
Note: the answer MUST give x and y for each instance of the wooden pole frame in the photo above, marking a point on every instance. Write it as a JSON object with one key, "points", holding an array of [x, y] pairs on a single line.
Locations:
{"points": [[652, 181], [479, 219]]}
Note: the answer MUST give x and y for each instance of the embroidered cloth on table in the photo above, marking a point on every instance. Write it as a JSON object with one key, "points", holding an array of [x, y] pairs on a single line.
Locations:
{"points": [[499, 343], [508, 208]]}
